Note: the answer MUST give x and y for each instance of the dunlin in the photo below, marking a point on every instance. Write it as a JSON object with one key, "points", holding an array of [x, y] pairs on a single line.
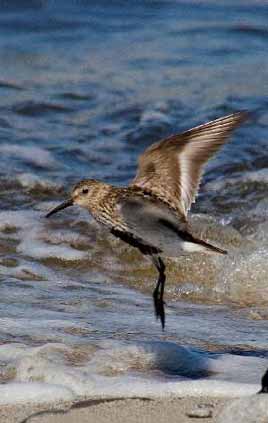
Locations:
{"points": [[151, 213]]}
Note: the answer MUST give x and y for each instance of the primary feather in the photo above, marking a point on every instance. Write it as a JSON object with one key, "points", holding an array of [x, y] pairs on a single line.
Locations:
{"points": [[172, 168]]}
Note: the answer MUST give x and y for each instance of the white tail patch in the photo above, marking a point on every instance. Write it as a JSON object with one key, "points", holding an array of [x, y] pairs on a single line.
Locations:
{"points": [[191, 247]]}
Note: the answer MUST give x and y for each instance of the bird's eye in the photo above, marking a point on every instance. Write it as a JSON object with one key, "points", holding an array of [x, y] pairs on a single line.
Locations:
{"points": [[85, 191]]}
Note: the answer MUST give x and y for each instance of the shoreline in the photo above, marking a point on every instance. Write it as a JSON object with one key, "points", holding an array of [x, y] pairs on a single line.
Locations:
{"points": [[181, 402], [118, 410], [208, 409]]}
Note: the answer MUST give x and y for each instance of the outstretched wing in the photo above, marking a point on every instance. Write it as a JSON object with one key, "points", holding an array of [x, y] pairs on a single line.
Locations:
{"points": [[172, 168]]}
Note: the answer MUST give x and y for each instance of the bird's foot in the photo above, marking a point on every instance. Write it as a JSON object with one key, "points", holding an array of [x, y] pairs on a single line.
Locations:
{"points": [[159, 308]]}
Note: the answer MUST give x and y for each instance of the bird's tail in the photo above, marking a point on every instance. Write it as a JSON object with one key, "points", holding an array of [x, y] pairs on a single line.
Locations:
{"points": [[190, 242], [196, 244]]}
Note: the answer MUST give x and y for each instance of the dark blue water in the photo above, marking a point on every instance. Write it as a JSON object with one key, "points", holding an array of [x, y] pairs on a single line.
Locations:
{"points": [[85, 88]]}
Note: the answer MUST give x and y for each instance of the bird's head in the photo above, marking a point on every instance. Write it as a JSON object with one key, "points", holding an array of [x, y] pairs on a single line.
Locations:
{"points": [[82, 195]]}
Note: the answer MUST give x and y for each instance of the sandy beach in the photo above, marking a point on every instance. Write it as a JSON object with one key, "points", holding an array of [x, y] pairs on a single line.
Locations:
{"points": [[173, 409], [182, 410]]}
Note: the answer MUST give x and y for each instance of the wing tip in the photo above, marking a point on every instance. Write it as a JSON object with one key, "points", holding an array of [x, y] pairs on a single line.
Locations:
{"points": [[232, 121], [241, 115], [236, 118]]}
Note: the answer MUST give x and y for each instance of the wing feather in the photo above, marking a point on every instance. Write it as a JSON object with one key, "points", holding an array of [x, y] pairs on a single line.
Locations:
{"points": [[172, 168]]}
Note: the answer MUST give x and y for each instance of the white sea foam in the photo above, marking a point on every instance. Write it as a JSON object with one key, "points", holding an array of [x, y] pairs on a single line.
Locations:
{"points": [[158, 114], [260, 176], [34, 155], [45, 326], [34, 239], [32, 181], [31, 271], [39, 250], [244, 276], [67, 236], [16, 219], [45, 370], [137, 387]]}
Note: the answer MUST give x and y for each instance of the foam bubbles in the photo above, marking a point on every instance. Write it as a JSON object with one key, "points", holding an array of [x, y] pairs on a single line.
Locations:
{"points": [[33, 237], [48, 370]]}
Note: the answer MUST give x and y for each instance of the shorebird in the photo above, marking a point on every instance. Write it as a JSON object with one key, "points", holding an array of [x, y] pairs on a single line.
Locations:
{"points": [[151, 213]]}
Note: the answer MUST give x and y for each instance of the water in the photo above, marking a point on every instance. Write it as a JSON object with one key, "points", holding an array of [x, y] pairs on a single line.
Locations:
{"points": [[85, 88]]}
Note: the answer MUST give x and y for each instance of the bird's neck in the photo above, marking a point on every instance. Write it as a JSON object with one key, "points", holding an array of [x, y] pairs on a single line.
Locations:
{"points": [[103, 198]]}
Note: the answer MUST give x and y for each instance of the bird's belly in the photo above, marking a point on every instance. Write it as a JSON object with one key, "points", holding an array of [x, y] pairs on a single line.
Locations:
{"points": [[170, 244], [168, 241], [157, 226]]}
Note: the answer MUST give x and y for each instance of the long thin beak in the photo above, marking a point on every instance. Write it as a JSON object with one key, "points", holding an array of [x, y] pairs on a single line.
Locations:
{"points": [[61, 206]]}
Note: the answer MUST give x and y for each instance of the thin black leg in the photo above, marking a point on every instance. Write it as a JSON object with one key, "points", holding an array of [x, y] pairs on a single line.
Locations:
{"points": [[158, 294]]}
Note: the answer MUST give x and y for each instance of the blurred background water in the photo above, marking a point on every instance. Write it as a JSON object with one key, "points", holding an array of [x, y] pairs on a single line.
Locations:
{"points": [[85, 87]]}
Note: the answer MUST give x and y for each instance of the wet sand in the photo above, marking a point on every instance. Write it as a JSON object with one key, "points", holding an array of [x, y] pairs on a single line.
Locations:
{"points": [[176, 410]]}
